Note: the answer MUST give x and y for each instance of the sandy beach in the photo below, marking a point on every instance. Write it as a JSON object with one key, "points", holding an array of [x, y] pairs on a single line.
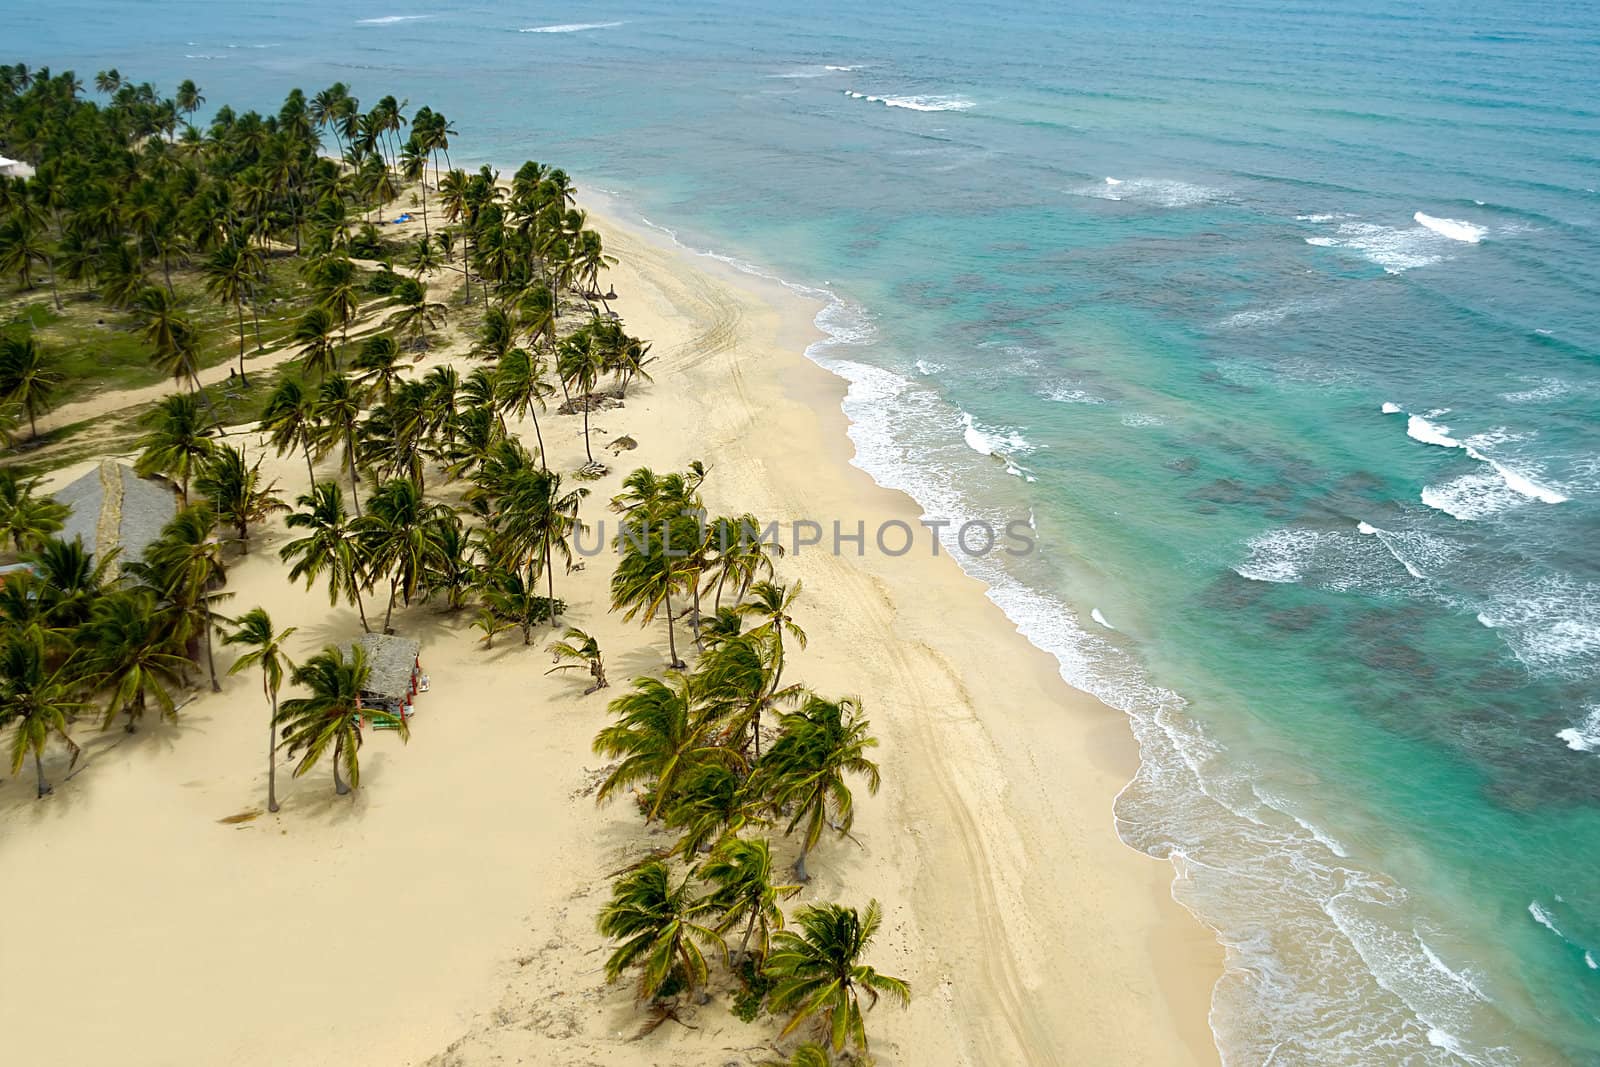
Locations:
{"points": [[446, 913]]}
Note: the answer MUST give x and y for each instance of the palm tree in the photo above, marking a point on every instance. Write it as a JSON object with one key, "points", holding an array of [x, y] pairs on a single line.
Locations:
{"points": [[176, 343], [26, 518], [520, 390], [806, 1054], [329, 717], [771, 603], [803, 774], [329, 548], [265, 649], [231, 273], [578, 362], [377, 367], [23, 243], [659, 736], [820, 975], [741, 872], [185, 564], [454, 569], [71, 580], [396, 538], [417, 314], [130, 642], [584, 651], [289, 420], [314, 332], [651, 569], [711, 804], [108, 81], [37, 701], [234, 487], [189, 98], [338, 412], [661, 926], [740, 554], [26, 379], [177, 444]]}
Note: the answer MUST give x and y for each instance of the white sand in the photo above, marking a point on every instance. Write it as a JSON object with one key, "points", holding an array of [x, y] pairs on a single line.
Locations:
{"points": [[446, 912]]}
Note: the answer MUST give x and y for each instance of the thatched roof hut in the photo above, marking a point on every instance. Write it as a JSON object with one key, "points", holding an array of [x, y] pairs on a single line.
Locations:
{"points": [[392, 666], [112, 507]]}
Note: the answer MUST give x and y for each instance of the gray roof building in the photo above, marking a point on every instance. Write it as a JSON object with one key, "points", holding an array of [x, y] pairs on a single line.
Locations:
{"points": [[392, 665], [112, 507]]}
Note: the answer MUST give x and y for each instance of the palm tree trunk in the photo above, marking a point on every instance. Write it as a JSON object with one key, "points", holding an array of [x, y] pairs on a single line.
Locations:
{"points": [[586, 449], [536, 435], [243, 380], [305, 446], [394, 585], [672, 643], [211, 663], [38, 766], [272, 754], [355, 587], [338, 783], [550, 576], [350, 454], [800, 874]]}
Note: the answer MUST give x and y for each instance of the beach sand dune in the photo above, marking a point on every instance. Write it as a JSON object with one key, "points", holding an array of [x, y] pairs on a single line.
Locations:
{"points": [[445, 914]]}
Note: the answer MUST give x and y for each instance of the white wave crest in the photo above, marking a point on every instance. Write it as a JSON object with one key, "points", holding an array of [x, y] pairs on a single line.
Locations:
{"points": [[1585, 737], [916, 103], [1421, 429], [1390, 408], [1455, 229], [390, 20], [1070, 394], [1543, 389], [991, 441], [1094, 613], [1160, 192], [572, 27], [1279, 556]]}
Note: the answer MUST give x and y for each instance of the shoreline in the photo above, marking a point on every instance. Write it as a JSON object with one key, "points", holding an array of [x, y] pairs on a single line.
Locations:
{"points": [[1186, 959], [445, 914]]}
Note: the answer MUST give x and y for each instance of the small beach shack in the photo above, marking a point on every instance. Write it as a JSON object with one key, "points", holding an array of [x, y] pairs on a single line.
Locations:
{"points": [[394, 672]]}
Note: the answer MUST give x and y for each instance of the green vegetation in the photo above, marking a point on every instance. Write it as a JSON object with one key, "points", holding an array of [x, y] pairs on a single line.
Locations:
{"points": [[146, 249]]}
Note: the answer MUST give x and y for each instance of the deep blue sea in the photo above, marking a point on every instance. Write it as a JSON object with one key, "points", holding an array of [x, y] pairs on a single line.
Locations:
{"points": [[1285, 319]]}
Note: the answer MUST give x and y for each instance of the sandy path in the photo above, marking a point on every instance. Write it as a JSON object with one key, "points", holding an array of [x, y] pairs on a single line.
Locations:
{"points": [[446, 913]]}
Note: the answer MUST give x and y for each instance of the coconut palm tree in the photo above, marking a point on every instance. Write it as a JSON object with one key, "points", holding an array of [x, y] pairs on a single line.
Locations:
{"points": [[184, 564], [397, 538], [327, 721], [234, 486], [23, 244], [289, 419], [108, 81], [329, 548], [264, 648], [454, 569], [314, 333], [820, 975], [806, 1054], [584, 652], [176, 444], [337, 284], [741, 873], [377, 367], [659, 736], [27, 380], [803, 774], [711, 804], [26, 518], [173, 337], [736, 679], [188, 98], [129, 638], [71, 580], [662, 926], [653, 567], [36, 701], [520, 389], [739, 555], [579, 363], [231, 273], [417, 315], [339, 412], [771, 604]]}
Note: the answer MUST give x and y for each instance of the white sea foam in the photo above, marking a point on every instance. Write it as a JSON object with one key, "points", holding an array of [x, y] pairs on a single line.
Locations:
{"points": [[1543, 389], [1542, 917], [927, 367], [1065, 393], [572, 27], [1588, 957], [840, 67], [1455, 229], [992, 441], [1279, 556], [1139, 420], [1160, 192], [1397, 249], [1550, 623], [1270, 316], [1420, 428], [1585, 737], [1390, 408], [1188, 797], [916, 103], [390, 20], [1461, 978], [1472, 496], [1094, 613]]}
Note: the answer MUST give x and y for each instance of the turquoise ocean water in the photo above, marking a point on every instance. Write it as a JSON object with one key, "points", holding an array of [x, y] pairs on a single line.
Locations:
{"points": [[1286, 318]]}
